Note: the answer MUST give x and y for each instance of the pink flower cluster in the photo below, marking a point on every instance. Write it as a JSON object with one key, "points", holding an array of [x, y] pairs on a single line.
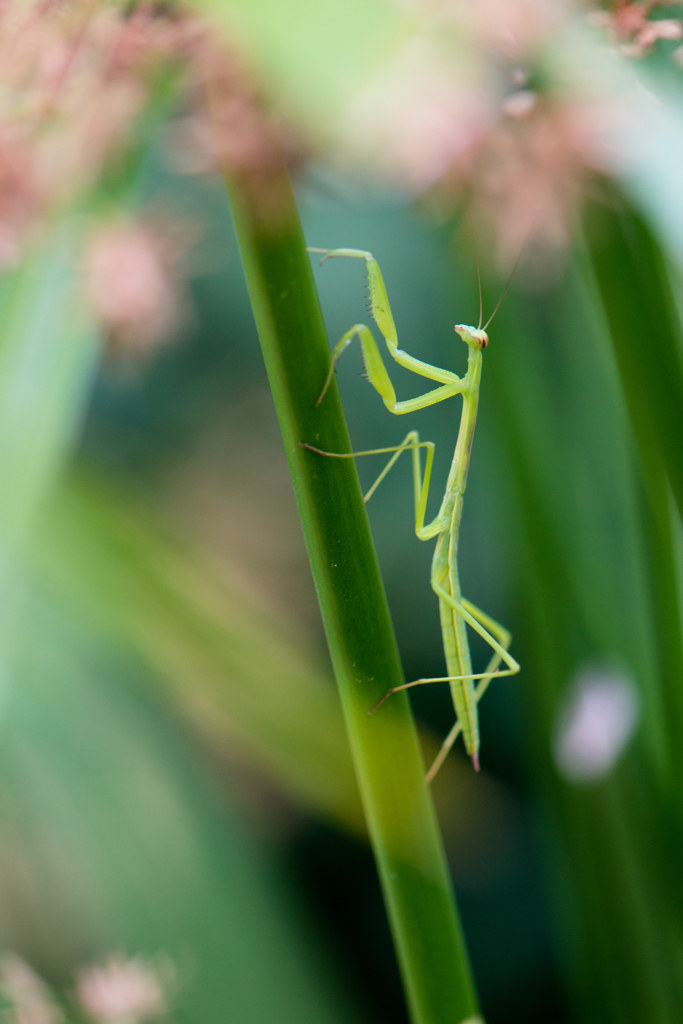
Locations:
{"points": [[131, 278], [73, 76], [631, 28], [457, 114], [529, 171], [122, 990]]}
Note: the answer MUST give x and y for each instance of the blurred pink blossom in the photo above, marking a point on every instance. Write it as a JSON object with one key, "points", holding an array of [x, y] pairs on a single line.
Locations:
{"points": [[424, 112], [598, 720], [73, 77], [130, 281], [453, 114], [529, 172], [30, 999], [122, 990], [510, 29], [520, 103], [631, 29]]}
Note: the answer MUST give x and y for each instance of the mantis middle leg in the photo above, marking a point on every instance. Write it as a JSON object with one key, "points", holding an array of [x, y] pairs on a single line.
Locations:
{"points": [[374, 366], [420, 482]]}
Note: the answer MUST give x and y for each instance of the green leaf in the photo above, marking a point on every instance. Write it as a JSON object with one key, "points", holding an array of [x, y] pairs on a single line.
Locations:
{"points": [[115, 839], [314, 55]]}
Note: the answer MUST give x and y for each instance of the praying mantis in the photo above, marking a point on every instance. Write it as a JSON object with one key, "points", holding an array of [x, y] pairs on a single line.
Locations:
{"points": [[456, 611]]}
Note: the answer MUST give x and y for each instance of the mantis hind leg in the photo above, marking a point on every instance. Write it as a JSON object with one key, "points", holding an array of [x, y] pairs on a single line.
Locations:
{"points": [[498, 638], [485, 626], [500, 653], [504, 638]]}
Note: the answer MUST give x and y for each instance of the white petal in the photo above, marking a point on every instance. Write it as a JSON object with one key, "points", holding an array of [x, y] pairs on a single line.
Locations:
{"points": [[599, 717]]}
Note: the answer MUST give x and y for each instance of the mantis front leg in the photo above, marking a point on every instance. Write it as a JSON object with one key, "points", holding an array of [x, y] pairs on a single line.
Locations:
{"points": [[376, 373], [374, 365]]}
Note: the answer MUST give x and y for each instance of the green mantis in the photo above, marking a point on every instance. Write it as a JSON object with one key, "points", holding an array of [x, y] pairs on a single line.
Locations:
{"points": [[456, 611]]}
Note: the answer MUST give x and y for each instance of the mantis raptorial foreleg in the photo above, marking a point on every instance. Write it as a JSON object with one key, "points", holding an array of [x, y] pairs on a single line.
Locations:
{"points": [[456, 612], [376, 373], [374, 365]]}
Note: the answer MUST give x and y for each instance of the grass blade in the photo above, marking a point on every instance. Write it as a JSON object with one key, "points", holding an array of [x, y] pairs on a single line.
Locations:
{"points": [[585, 601], [398, 807], [48, 353], [633, 284]]}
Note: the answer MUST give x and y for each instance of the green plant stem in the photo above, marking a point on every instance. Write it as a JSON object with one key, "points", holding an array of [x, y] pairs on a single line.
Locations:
{"points": [[401, 820]]}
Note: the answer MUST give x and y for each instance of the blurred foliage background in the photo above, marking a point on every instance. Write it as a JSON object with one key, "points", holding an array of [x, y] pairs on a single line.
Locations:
{"points": [[175, 780]]}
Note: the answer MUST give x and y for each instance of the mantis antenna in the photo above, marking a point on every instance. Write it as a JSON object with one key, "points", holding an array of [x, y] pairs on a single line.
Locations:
{"points": [[505, 289], [476, 263]]}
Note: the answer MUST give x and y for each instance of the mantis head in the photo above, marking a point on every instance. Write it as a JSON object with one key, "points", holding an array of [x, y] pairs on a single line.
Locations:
{"points": [[473, 336]]}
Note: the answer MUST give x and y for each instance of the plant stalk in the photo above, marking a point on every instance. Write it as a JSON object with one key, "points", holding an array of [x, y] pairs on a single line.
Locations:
{"points": [[401, 821]]}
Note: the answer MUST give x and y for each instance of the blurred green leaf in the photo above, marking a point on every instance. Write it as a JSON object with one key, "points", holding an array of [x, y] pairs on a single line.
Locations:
{"points": [[314, 55], [114, 837], [231, 667], [48, 351], [584, 599], [633, 281]]}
